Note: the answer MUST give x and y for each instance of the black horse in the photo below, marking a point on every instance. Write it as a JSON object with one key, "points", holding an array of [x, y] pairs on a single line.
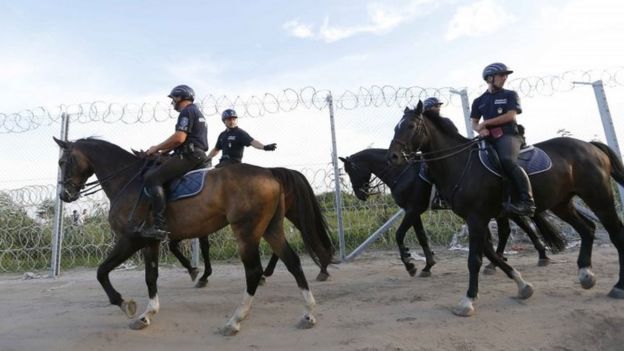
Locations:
{"points": [[250, 199], [412, 192], [578, 168]]}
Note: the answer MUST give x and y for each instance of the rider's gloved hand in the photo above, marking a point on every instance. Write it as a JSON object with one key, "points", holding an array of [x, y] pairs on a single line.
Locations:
{"points": [[270, 147]]}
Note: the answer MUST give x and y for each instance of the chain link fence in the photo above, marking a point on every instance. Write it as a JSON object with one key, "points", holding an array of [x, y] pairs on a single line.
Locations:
{"points": [[297, 119]]}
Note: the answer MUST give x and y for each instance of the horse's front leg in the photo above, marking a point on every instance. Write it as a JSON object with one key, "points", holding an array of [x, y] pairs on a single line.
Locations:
{"points": [[150, 256], [423, 240], [123, 249], [174, 247], [406, 258], [204, 248], [477, 232]]}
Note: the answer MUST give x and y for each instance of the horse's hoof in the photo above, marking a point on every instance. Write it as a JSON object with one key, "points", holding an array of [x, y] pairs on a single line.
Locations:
{"points": [[194, 273], [306, 322], [489, 270], [262, 280], [616, 293], [464, 311], [525, 292], [201, 283], [543, 262], [587, 278], [464, 308], [139, 323], [424, 274], [129, 307], [322, 277], [229, 330]]}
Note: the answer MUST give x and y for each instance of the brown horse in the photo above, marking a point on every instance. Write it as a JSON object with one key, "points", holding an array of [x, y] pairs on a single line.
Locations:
{"points": [[248, 198], [578, 169], [292, 213]]}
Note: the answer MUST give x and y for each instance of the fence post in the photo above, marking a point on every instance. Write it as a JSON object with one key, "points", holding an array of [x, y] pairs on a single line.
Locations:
{"points": [[337, 193], [607, 123], [466, 109], [57, 234], [194, 252]]}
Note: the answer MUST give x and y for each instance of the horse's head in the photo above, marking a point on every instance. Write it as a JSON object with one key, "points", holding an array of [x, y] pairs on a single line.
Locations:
{"points": [[75, 170], [359, 177], [409, 135]]}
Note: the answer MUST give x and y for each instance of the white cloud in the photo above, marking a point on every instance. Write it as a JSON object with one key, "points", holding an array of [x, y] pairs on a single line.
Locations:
{"points": [[297, 29], [478, 19], [381, 19]]}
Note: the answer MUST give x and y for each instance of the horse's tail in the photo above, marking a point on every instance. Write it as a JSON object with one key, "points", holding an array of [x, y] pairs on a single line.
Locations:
{"points": [[306, 215], [617, 168], [551, 235]]}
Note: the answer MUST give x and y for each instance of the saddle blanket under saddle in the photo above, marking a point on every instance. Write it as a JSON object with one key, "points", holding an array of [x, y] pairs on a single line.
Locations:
{"points": [[188, 185], [532, 159]]}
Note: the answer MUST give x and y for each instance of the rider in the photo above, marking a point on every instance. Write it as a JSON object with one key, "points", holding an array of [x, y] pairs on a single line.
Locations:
{"points": [[233, 141], [433, 105], [189, 143], [499, 108]]}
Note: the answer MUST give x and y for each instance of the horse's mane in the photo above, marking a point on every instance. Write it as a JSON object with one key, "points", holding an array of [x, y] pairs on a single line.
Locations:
{"points": [[104, 147], [444, 124]]}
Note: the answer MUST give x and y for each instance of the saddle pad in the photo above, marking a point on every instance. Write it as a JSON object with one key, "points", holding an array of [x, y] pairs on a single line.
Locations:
{"points": [[532, 159], [190, 184]]}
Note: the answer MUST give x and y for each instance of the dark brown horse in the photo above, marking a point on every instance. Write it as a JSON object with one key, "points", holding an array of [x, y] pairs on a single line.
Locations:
{"points": [[248, 198], [579, 168], [412, 193]]}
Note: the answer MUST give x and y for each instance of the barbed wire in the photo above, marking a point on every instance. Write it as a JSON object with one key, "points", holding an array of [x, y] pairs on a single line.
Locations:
{"points": [[290, 99]]}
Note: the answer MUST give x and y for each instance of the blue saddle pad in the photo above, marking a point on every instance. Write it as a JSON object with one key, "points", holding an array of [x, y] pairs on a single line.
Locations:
{"points": [[188, 185], [532, 159]]}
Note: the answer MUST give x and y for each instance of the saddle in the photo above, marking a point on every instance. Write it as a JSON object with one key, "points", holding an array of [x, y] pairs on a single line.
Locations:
{"points": [[531, 158], [187, 185]]}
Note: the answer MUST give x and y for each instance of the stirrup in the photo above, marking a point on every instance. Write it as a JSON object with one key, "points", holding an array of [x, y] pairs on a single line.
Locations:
{"points": [[155, 233]]}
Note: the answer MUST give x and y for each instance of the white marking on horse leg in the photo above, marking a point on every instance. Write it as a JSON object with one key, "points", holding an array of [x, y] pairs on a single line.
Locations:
{"points": [[308, 320], [525, 290], [586, 277], [233, 325], [144, 320], [465, 307]]}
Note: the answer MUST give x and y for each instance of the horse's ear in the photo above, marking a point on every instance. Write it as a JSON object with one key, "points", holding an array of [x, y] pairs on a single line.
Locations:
{"points": [[419, 107], [63, 144], [139, 153], [344, 160], [407, 109]]}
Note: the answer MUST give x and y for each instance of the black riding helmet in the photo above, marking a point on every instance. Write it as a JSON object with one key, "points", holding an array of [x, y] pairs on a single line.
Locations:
{"points": [[229, 113], [182, 91]]}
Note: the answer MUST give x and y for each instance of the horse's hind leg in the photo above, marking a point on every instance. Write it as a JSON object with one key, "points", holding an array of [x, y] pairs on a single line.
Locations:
{"points": [[605, 211], [503, 231], [174, 247], [585, 227], [123, 249], [529, 229], [150, 256]]}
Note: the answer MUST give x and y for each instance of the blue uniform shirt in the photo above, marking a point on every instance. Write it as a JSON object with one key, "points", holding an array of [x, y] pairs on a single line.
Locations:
{"points": [[192, 121], [232, 143], [491, 105]]}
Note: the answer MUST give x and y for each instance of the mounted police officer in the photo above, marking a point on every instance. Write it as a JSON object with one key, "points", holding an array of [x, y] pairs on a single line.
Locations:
{"points": [[499, 108], [233, 140], [432, 104], [189, 144]]}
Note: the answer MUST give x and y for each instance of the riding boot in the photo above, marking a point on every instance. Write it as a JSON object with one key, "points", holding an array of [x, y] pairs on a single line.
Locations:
{"points": [[158, 230], [525, 206]]}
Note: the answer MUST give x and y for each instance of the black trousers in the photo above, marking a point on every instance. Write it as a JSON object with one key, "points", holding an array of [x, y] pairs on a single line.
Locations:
{"points": [[508, 148], [173, 167]]}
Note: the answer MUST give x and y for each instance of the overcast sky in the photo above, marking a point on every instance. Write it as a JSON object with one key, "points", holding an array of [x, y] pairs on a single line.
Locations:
{"points": [[69, 52]]}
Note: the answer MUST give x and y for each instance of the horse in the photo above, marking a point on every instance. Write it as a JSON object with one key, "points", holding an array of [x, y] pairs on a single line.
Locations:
{"points": [[578, 168], [248, 198], [411, 191], [292, 213]]}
